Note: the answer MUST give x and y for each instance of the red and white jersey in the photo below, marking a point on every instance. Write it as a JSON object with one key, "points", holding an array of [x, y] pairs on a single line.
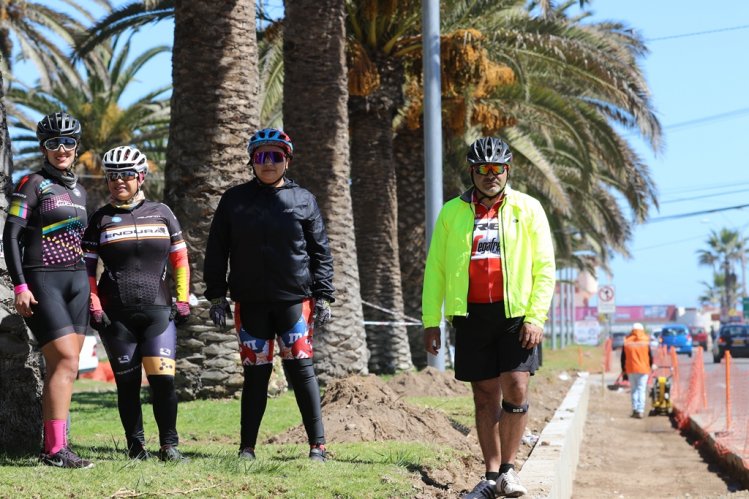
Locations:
{"points": [[485, 271]]}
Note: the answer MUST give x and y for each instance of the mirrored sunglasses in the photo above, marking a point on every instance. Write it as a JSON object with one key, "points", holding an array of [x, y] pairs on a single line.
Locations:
{"points": [[493, 168], [260, 157], [126, 175], [67, 143]]}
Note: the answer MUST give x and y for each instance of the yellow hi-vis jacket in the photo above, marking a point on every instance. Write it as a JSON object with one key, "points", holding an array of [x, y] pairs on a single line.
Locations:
{"points": [[527, 256]]}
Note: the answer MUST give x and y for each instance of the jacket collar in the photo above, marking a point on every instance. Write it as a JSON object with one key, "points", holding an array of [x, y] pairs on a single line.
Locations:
{"points": [[467, 196]]}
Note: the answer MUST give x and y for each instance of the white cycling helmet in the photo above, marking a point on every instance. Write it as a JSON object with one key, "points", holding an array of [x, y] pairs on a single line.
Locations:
{"points": [[125, 158]]}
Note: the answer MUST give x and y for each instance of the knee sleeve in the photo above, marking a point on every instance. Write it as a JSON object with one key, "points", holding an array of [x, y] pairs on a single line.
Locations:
{"points": [[515, 409]]}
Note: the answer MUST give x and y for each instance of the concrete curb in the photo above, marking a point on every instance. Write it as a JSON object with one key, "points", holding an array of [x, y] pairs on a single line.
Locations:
{"points": [[550, 469]]}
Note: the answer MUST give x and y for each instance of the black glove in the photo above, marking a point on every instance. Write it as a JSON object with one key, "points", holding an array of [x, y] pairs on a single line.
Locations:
{"points": [[322, 314], [180, 312], [99, 320], [220, 310]]}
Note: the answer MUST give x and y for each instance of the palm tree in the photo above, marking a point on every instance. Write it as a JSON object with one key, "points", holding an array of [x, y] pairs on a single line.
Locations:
{"points": [[381, 34], [21, 377], [215, 106], [724, 250], [35, 27], [316, 117], [95, 98], [712, 292]]}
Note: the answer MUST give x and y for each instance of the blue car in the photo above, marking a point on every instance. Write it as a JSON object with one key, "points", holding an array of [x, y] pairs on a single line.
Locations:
{"points": [[677, 336]]}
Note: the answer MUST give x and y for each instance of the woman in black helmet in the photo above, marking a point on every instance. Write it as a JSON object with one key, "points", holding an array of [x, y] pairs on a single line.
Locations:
{"points": [[270, 232], [47, 217]]}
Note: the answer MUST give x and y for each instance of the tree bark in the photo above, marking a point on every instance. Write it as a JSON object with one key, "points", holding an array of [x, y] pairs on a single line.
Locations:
{"points": [[374, 194], [214, 110], [21, 376], [316, 117], [408, 149]]}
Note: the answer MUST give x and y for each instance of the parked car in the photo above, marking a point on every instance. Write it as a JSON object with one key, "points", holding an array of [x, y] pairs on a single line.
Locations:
{"points": [[699, 337], [88, 360], [732, 338], [677, 336], [617, 340]]}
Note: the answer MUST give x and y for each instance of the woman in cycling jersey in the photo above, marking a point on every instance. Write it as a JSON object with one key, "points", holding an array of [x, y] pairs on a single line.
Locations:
{"points": [[46, 218], [271, 235], [131, 306]]}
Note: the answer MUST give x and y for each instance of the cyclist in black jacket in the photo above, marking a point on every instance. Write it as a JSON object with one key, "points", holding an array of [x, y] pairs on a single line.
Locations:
{"points": [[131, 306], [270, 233], [42, 241]]}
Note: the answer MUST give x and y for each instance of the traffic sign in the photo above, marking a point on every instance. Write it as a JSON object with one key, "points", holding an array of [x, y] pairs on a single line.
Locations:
{"points": [[606, 300]]}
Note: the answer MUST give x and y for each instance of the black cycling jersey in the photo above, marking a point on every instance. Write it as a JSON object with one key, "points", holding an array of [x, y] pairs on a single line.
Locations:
{"points": [[274, 242], [134, 245], [46, 220]]}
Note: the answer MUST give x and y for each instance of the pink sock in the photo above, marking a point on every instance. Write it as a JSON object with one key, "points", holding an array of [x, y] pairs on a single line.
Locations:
{"points": [[55, 433]]}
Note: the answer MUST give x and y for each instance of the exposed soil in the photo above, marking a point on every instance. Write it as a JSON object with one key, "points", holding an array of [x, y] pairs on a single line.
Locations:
{"points": [[624, 457], [366, 409]]}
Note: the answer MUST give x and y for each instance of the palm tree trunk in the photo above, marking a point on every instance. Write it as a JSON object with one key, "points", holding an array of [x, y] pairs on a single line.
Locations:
{"points": [[214, 109], [374, 194], [408, 149], [316, 117], [21, 377]]}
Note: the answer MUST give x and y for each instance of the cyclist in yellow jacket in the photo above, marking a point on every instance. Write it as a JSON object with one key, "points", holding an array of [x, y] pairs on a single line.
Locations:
{"points": [[491, 263]]}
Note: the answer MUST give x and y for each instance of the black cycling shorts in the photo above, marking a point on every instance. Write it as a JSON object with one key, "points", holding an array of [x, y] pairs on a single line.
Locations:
{"points": [[62, 306], [141, 335], [488, 344]]}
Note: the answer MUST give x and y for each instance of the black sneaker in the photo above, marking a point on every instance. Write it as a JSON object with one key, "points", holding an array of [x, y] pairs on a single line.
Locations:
{"points": [[247, 453], [139, 453], [65, 458], [171, 453], [318, 453]]}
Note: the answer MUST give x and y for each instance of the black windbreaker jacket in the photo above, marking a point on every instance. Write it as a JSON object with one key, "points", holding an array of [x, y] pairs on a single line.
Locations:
{"points": [[274, 242]]}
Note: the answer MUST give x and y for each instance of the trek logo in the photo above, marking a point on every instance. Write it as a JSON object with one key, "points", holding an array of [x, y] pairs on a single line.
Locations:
{"points": [[123, 359], [166, 352], [130, 232], [485, 226]]}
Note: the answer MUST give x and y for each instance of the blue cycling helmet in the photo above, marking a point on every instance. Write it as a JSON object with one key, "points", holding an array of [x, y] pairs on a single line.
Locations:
{"points": [[272, 137]]}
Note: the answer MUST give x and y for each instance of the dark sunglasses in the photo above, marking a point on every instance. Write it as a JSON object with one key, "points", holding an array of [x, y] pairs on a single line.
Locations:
{"points": [[67, 143], [493, 168], [126, 175], [260, 157]]}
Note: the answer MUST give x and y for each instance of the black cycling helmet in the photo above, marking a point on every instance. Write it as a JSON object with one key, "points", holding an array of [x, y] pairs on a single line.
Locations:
{"points": [[59, 124], [271, 137], [489, 150]]}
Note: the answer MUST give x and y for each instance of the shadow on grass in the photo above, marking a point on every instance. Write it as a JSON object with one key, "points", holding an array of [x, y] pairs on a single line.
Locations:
{"points": [[94, 401]]}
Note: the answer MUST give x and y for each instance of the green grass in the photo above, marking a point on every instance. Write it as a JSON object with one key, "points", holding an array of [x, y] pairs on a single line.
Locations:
{"points": [[573, 358], [209, 432]]}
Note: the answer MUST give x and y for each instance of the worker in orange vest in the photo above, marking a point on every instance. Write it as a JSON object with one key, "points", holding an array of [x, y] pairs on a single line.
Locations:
{"points": [[637, 362]]}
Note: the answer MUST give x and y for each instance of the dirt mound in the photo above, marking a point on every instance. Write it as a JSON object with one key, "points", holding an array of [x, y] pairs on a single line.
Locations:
{"points": [[365, 409], [429, 382]]}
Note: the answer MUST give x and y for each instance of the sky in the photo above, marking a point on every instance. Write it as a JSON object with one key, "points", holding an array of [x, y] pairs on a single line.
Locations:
{"points": [[699, 90], [697, 72]]}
